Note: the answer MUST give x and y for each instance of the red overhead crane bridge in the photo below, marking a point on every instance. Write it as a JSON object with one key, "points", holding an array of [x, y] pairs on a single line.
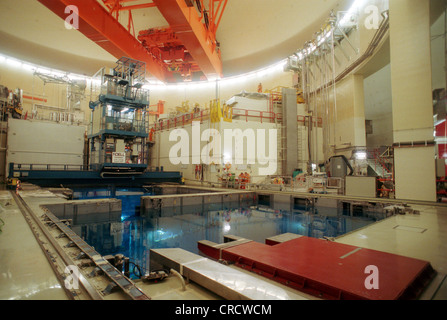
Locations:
{"points": [[185, 50]]}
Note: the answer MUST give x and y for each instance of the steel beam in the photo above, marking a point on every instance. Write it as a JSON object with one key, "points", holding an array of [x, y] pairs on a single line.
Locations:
{"points": [[137, 6], [102, 28]]}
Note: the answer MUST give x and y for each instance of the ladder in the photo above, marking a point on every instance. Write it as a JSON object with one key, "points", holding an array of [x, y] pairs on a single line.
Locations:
{"points": [[301, 159]]}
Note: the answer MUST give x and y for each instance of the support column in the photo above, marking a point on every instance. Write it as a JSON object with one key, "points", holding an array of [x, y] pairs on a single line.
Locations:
{"points": [[290, 115], [415, 172], [350, 127]]}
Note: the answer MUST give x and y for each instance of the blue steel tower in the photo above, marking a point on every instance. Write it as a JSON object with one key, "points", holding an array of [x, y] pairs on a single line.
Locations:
{"points": [[118, 131]]}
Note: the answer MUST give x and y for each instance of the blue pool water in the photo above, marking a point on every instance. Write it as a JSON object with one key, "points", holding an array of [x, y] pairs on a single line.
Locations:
{"points": [[130, 198], [133, 235]]}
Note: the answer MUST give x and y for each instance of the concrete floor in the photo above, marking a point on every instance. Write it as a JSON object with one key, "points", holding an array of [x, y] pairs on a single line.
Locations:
{"points": [[25, 273], [422, 236]]}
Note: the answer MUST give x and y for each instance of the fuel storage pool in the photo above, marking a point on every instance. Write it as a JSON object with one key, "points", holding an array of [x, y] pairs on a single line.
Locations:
{"points": [[133, 234]]}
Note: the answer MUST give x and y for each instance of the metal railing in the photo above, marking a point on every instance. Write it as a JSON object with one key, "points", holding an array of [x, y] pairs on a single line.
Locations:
{"points": [[48, 167], [139, 95], [384, 159], [64, 167], [238, 114], [120, 124]]}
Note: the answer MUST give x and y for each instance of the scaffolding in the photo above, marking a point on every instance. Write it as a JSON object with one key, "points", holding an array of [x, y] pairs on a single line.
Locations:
{"points": [[321, 63]]}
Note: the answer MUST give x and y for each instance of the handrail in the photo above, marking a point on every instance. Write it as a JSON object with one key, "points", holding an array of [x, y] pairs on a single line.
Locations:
{"points": [[48, 167], [187, 118], [64, 167], [131, 125]]}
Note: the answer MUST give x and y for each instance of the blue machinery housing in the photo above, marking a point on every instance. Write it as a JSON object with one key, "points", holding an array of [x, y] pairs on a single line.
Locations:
{"points": [[55, 176]]}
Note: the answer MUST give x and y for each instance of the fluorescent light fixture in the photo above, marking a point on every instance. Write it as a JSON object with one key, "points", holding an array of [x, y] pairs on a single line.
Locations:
{"points": [[353, 10], [57, 74], [213, 77], [181, 86], [96, 82], [13, 62], [227, 157], [43, 71], [360, 155], [73, 76], [155, 83], [274, 68], [29, 67]]}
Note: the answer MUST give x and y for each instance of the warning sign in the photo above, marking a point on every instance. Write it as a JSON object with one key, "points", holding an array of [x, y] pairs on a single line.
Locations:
{"points": [[118, 157]]}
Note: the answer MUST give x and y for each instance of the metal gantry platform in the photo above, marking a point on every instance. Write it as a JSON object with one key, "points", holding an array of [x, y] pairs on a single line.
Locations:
{"points": [[57, 175]]}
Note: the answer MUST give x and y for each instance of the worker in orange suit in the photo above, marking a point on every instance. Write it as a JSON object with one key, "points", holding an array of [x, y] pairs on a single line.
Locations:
{"points": [[247, 177], [241, 181], [18, 187], [151, 134]]}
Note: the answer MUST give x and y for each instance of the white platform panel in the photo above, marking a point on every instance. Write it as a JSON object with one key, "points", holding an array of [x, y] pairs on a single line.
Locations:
{"points": [[35, 142]]}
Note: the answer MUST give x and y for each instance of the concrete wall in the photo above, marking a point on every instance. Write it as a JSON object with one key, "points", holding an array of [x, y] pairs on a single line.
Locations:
{"points": [[438, 53], [90, 211], [36, 142], [157, 206], [350, 127], [412, 98], [162, 149], [378, 107]]}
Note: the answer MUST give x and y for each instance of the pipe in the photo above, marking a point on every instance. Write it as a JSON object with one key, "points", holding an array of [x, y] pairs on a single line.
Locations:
{"points": [[383, 28], [334, 89], [178, 275]]}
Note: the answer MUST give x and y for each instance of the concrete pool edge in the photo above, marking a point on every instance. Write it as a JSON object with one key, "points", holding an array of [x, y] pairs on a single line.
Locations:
{"points": [[64, 200]]}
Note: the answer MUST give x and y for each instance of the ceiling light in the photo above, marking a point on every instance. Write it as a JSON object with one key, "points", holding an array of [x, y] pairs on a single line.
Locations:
{"points": [[352, 12], [28, 67], [361, 155], [13, 62]]}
